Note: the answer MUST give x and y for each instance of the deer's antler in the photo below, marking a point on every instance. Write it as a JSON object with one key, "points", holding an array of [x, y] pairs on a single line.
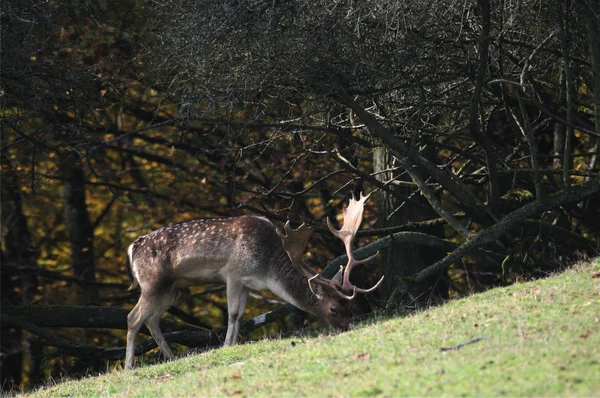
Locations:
{"points": [[353, 215], [295, 240]]}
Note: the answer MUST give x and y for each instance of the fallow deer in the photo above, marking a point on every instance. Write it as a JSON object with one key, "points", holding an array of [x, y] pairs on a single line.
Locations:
{"points": [[246, 252]]}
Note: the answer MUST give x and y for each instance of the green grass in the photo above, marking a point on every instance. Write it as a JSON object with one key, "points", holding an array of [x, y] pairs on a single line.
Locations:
{"points": [[540, 339]]}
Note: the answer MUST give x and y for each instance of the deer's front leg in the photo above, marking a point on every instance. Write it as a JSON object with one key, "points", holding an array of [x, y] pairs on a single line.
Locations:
{"points": [[237, 296]]}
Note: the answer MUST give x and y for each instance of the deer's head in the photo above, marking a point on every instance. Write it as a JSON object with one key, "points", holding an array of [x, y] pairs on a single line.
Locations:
{"points": [[335, 295]]}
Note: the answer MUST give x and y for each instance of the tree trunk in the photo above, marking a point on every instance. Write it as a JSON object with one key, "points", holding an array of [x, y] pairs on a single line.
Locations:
{"points": [[81, 231], [593, 26], [395, 209], [16, 288]]}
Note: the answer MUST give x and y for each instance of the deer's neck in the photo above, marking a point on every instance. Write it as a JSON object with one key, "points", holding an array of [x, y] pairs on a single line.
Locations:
{"points": [[288, 284]]}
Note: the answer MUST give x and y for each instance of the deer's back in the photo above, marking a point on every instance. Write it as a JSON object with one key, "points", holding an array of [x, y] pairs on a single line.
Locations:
{"points": [[205, 251]]}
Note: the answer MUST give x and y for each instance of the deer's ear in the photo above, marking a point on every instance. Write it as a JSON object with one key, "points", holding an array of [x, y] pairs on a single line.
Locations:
{"points": [[318, 290], [338, 279]]}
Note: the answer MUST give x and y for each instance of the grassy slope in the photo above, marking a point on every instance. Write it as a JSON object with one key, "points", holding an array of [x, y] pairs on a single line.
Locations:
{"points": [[542, 338]]}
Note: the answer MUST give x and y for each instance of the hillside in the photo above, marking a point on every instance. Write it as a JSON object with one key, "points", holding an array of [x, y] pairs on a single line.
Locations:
{"points": [[539, 338]]}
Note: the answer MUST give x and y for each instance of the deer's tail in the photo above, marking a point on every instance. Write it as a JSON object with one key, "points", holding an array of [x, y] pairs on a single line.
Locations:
{"points": [[128, 261]]}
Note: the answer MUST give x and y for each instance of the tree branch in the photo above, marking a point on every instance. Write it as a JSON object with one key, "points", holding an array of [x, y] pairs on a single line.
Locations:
{"points": [[401, 150], [36, 318], [576, 194]]}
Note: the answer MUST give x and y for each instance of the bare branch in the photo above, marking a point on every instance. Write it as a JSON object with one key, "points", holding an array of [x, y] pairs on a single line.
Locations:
{"points": [[576, 194]]}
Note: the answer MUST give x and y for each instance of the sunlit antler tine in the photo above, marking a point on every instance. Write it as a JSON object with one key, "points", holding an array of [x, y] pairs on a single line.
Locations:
{"points": [[344, 296], [346, 285], [359, 290], [352, 218], [365, 260], [294, 242]]}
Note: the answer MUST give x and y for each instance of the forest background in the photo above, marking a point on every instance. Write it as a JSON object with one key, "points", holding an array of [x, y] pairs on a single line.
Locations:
{"points": [[476, 125]]}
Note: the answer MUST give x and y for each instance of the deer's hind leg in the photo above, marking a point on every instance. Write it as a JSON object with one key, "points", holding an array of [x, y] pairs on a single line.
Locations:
{"points": [[163, 303], [151, 305]]}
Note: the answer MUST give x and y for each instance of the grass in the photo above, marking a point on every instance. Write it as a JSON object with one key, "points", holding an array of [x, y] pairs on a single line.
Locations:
{"points": [[539, 338]]}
